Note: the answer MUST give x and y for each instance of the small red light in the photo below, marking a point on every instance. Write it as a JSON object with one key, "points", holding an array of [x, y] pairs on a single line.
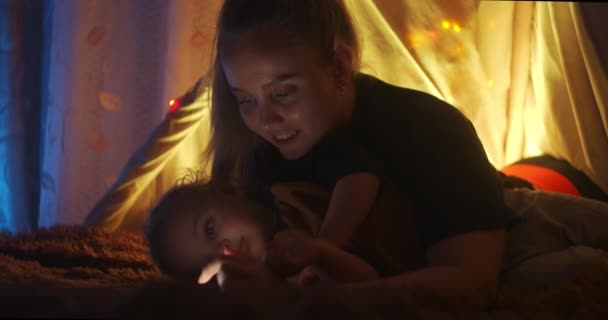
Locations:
{"points": [[174, 105]]}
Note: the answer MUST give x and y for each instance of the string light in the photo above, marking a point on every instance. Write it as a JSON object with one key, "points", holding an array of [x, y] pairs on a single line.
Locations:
{"points": [[173, 105], [445, 24]]}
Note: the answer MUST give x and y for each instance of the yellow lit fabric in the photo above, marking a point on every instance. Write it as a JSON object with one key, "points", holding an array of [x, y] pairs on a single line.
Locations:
{"points": [[571, 90], [127, 202], [525, 73]]}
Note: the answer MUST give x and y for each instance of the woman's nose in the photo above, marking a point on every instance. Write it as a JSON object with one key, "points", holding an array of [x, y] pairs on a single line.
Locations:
{"points": [[269, 114]]}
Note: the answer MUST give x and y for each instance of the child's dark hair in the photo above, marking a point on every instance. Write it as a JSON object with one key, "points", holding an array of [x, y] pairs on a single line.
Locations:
{"points": [[193, 192], [319, 24]]}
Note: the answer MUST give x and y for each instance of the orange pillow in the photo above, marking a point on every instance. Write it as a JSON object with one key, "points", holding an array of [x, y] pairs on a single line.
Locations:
{"points": [[542, 178]]}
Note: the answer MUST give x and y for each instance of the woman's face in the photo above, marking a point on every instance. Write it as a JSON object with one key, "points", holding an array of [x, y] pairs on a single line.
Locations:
{"points": [[284, 94]]}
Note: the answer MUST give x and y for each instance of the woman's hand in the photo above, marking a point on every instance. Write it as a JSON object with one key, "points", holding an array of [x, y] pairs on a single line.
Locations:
{"points": [[291, 252], [309, 276]]}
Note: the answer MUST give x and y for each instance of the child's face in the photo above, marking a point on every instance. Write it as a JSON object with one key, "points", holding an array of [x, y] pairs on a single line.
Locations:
{"points": [[285, 94], [229, 229]]}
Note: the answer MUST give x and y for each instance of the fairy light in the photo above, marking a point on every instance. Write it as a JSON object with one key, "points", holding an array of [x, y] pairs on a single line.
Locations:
{"points": [[445, 24], [456, 27], [417, 39], [173, 105]]}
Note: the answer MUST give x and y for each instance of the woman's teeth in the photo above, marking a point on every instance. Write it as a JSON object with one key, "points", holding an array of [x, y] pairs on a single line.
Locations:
{"points": [[285, 136]]}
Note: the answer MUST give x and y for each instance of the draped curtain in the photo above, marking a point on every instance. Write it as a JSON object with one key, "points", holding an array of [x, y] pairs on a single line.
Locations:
{"points": [[86, 134]]}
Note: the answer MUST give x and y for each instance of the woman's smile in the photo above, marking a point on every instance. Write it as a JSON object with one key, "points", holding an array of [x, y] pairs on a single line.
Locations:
{"points": [[285, 137]]}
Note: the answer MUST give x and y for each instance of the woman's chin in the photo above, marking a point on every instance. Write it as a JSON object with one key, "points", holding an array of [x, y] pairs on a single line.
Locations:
{"points": [[292, 152]]}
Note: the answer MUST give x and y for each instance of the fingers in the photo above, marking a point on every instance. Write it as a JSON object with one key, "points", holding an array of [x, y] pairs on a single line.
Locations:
{"points": [[229, 268], [224, 264], [210, 271]]}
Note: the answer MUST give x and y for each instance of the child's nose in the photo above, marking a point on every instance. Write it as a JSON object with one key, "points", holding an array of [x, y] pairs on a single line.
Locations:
{"points": [[227, 251], [242, 249]]}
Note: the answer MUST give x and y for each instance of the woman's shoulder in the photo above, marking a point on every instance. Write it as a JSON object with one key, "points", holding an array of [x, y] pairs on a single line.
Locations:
{"points": [[376, 94], [381, 101]]}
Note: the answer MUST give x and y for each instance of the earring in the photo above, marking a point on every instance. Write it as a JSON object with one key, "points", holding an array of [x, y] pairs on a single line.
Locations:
{"points": [[341, 89]]}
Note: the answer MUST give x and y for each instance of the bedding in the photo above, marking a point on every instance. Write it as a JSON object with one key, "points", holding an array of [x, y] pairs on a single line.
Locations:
{"points": [[548, 173], [83, 272]]}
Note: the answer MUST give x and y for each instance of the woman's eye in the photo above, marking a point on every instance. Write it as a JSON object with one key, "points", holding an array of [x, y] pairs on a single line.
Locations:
{"points": [[246, 105], [281, 93], [243, 101], [210, 228], [284, 93]]}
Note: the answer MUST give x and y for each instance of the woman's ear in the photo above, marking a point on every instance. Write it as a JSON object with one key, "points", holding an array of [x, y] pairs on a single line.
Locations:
{"points": [[343, 64]]}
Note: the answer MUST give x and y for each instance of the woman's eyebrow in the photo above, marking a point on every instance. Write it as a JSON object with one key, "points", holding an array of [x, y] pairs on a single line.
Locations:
{"points": [[280, 78], [235, 90]]}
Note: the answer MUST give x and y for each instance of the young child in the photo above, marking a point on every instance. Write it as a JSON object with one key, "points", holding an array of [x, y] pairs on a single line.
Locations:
{"points": [[199, 226]]}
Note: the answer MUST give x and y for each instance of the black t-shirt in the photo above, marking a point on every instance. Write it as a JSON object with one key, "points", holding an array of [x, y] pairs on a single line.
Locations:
{"points": [[425, 146], [335, 156]]}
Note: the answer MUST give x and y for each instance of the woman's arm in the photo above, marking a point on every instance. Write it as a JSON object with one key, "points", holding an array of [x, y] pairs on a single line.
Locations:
{"points": [[293, 251], [464, 265], [351, 200], [342, 267]]}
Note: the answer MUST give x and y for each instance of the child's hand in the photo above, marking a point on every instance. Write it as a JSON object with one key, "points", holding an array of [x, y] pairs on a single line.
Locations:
{"points": [[233, 272], [291, 251]]}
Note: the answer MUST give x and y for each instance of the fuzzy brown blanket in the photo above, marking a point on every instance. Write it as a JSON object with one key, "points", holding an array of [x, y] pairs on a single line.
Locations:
{"points": [[89, 273]]}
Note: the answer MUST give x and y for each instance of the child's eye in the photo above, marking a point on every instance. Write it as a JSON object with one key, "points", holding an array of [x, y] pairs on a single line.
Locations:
{"points": [[210, 228]]}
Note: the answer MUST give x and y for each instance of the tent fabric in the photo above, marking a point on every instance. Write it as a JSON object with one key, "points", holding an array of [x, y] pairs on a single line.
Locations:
{"points": [[571, 90], [144, 166], [526, 73], [505, 82]]}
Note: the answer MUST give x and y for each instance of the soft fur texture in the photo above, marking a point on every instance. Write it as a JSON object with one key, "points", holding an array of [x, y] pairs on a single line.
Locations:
{"points": [[89, 273]]}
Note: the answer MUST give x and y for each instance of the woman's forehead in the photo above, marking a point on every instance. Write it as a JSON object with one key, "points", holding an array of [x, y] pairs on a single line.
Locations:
{"points": [[257, 66], [261, 37], [263, 44]]}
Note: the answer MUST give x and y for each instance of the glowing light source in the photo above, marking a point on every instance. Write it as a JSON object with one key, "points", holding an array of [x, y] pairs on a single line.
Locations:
{"points": [[417, 39], [445, 24], [490, 83], [174, 105], [456, 27]]}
